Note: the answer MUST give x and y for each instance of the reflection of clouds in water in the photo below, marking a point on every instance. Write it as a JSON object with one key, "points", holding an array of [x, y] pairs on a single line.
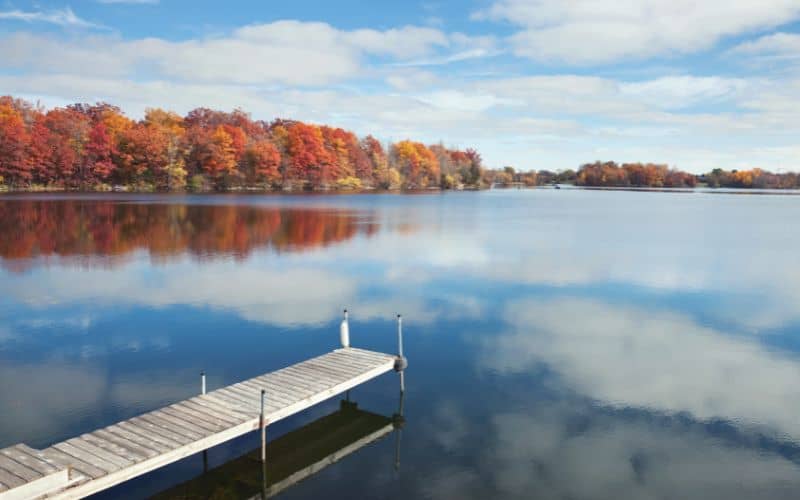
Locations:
{"points": [[542, 455], [5, 334], [286, 296], [448, 426], [658, 241], [639, 358], [452, 482], [562, 450], [291, 295], [37, 407], [82, 322]]}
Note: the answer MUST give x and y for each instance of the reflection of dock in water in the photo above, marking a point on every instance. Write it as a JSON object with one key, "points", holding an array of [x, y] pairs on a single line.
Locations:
{"points": [[291, 458]]}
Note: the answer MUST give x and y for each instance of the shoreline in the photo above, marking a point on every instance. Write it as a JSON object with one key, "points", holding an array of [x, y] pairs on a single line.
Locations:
{"points": [[6, 191]]}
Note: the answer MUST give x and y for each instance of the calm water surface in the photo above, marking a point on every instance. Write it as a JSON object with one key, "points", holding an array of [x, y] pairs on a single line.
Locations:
{"points": [[562, 344]]}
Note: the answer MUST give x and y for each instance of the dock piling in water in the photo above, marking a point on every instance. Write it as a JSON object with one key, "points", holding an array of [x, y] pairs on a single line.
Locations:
{"points": [[263, 426], [202, 382]]}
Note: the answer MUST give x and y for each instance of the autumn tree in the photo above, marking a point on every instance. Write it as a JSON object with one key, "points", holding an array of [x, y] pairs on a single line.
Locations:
{"points": [[14, 166], [262, 161], [416, 163], [100, 149], [308, 158], [378, 160], [170, 172], [68, 131], [219, 160], [471, 169]]}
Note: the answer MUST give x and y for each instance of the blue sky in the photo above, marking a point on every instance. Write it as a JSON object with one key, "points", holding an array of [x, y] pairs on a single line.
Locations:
{"points": [[530, 83]]}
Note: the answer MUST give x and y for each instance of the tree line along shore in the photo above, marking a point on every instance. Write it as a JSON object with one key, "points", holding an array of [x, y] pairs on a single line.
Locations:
{"points": [[97, 148]]}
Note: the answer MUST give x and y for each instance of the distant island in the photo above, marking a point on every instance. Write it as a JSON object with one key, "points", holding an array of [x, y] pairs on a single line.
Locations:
{"points": [[86, 147], [644, 175]]}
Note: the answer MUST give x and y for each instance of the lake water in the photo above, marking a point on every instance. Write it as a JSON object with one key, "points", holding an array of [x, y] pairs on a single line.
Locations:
{"points": [[563, 344]]}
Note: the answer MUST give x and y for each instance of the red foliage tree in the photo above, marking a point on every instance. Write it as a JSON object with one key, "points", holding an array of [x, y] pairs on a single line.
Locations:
{"points": [[14, 166], [309, 160], [68, 132], [99, 153], [262, 161]]}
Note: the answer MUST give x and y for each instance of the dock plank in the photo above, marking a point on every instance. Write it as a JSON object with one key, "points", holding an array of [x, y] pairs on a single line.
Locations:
{"points": [[29, 458], [145, 432], [230, 402], [113, 448], [73, 462], [217, 419], [233, 401], [85, 457], [145, 427], [288, 383], [129, 442], [99, 454], [193, 419], [176, 426], [212, 407], [18, 469], [10, 480], [316, 382], [276, 397], [251, 404]]}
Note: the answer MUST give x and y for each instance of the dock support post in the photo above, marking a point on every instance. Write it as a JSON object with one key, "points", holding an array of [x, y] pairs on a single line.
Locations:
{"points": [[264, 495], [263, 429], [202, 382], [398, 421], [400, 363]]}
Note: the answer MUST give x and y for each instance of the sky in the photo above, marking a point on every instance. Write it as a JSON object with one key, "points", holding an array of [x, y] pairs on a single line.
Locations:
{"points": [[535, 84]]}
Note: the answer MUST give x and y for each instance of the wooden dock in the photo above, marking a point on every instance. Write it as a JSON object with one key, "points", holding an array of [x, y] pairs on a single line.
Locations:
{"points": [[98, 460]]}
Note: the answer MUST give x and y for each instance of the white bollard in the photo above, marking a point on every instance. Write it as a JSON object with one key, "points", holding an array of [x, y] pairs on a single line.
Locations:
{"points": [[344, 331], [400, 335]]}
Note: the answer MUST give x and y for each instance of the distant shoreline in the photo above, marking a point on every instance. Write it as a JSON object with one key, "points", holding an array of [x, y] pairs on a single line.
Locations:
{"points": [[295, 192]]}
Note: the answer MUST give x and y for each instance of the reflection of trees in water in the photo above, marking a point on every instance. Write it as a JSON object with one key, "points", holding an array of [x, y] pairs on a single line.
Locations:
{"points": [[68, 228]]}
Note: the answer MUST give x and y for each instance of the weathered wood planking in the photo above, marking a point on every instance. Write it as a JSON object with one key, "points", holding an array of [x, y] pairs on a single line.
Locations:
{"points": [[98, 460]]}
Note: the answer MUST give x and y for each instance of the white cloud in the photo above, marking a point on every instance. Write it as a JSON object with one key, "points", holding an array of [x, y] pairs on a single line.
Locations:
{"points": [[778, 45], [60, 17], [283, 52], [675, 92], [464, 55], [593, 32]]}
